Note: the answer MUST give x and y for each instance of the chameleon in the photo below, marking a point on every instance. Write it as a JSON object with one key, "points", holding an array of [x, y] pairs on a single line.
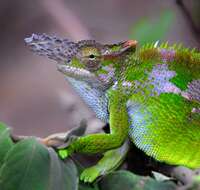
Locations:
{"points": [[149, 95]]}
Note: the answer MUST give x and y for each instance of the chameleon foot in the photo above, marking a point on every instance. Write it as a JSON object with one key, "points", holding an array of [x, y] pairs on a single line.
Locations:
{"points": [[64, 153], [90, 174]]}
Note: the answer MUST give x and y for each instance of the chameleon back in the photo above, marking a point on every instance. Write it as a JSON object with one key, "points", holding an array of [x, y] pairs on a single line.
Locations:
{"points": [[164, 112]]}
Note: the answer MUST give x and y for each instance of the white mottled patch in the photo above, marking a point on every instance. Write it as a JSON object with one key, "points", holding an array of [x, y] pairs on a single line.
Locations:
{"points": [[194, 90], [127, 84], [186, 95], [160, 78], [109, 76], [170, 87], [115, 85], [167, 55]]}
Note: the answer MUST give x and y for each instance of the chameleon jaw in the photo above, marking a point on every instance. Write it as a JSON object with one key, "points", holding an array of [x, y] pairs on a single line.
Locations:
{"points": [[84, 75], [77, 73]]}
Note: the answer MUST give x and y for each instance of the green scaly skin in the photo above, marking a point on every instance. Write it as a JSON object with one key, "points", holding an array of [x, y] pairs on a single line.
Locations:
{"points": [[153, 95]]}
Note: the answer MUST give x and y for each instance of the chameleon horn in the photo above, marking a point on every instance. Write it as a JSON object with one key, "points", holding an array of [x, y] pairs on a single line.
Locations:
{"points": [[130, 44], [60, 50], [125, 46]]}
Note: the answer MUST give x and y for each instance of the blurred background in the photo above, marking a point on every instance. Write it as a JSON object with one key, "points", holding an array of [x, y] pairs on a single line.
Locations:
{"points": [[34, 97]]}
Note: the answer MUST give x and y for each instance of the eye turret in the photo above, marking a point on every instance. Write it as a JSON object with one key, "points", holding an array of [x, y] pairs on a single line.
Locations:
{"points": [[90, 56]]}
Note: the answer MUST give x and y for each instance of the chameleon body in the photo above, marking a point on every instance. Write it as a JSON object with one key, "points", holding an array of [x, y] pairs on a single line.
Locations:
{"points": [[150, 95]]}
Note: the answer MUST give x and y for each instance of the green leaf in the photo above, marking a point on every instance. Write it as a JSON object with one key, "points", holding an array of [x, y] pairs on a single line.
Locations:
{"points": [[26, 167], [152, 184], [195, 184], [30, 165], [126, 180], [84, 186], [148, 31], [63, 175], [5, 142], [119, 180]]}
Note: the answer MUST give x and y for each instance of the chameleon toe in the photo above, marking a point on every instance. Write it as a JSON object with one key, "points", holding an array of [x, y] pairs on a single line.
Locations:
{"points": [[63, 154], [89, 174]]}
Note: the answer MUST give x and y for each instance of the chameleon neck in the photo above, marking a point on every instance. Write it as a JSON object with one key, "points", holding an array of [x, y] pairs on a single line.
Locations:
{"points": [[94, 97]]}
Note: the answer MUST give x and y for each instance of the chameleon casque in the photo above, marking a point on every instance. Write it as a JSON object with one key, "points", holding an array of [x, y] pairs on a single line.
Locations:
{"points": [[150, 95]]}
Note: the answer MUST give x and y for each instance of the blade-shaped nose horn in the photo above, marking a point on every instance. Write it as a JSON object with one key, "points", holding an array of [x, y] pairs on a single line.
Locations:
{"points": [[125, 46], [60, 50]]}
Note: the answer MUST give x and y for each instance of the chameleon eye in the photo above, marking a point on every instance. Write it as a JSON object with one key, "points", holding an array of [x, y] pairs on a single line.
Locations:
{"points": [[91, 56], [89, 52]]}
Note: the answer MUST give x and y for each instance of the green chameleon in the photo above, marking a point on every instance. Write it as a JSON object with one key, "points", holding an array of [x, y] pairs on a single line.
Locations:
{"points": [[150, 95]]}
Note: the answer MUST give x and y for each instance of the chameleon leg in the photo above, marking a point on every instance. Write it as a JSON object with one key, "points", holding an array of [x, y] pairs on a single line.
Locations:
{"points": [[99, 143], [110, 161]]}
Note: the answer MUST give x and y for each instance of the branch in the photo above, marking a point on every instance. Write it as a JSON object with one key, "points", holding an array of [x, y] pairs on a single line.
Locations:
{"points": [[57, 140]]}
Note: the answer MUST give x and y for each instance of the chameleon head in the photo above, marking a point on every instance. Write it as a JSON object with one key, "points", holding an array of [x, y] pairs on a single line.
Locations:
{"points": [[84, 60], [96, 61]]}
